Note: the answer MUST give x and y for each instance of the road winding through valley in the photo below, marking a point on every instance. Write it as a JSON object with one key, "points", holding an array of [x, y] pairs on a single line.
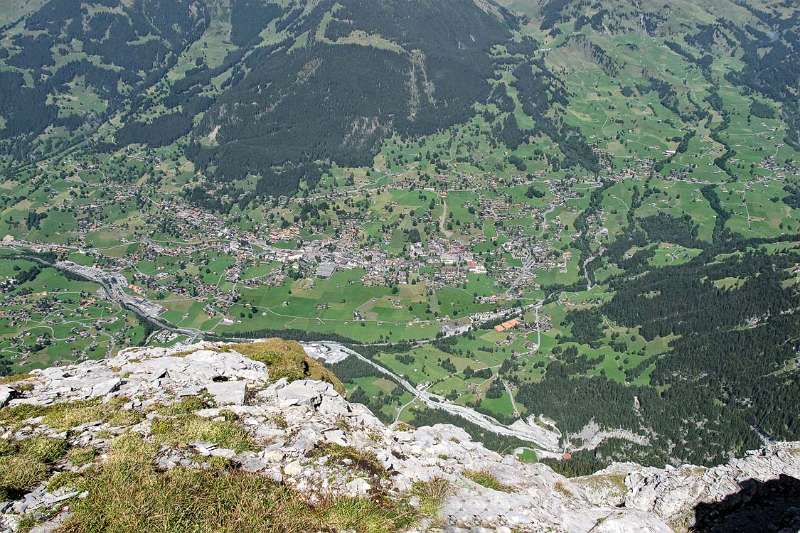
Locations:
{"points": [[546, 441]]}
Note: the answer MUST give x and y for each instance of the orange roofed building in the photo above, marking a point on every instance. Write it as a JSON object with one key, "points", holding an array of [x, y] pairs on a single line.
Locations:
{"points": [[508, 324]]}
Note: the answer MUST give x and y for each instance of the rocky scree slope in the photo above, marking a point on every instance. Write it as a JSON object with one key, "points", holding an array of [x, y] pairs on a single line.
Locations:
{"points": [[205, 438]]}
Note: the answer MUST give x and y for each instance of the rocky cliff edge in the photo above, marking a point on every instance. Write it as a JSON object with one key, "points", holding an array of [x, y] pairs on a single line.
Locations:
{"points": [[201, 437]]}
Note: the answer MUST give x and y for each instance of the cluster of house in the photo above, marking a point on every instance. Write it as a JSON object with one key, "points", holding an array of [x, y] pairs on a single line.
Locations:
{"points": [[21, 309], [284, 234], [7, 284], [322, 258]]}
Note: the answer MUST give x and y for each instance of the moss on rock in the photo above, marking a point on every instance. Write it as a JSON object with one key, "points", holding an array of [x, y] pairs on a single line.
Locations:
{"points": [[287, 359]]}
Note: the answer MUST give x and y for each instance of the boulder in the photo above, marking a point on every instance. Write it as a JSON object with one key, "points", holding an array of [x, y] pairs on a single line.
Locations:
{"points": [[305, 441], [5, 395], [304, 392], [225, 453], [106, 387], [358, 487], [228, 392], [202, 447], [250, 462], [293, 469]]}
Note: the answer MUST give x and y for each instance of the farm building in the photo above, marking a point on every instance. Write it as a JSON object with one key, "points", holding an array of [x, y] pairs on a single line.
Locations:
{"points": [[508, 324]]}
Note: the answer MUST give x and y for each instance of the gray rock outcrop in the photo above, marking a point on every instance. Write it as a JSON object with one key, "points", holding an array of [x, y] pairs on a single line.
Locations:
{"points": [[289, 421]]}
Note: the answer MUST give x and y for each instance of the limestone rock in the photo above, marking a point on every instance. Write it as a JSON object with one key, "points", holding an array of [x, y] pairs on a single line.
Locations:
{"points": [[304, 392], [358, 487], [250, 462], [288, 423], [106, 387], [227, 392], [5, 395], [293, 468]]}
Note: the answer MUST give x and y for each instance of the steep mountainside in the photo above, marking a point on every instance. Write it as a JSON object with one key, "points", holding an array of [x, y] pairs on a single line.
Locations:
{"points": [[263, 88], [343, 76], [280, 90], [68, 65], [205, 438]]}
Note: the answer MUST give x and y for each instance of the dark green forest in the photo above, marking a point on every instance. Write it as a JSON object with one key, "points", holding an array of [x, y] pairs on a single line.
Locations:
{"points": [[728, 375]]}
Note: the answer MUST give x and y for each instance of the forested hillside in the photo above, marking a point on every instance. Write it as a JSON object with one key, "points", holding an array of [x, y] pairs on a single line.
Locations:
{"points": [[252, 87], [281, 90]]}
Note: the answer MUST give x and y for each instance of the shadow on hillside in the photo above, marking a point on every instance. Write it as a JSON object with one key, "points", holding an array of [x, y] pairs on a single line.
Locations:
{"points": [[762, 506]]}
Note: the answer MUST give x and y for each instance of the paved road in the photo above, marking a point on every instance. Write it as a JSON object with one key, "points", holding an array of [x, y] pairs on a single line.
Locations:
{"points": [[546, 441], [112, 285]]}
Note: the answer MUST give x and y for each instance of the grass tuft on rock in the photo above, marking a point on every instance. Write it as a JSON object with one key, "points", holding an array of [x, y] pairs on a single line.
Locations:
{"points": [[488, 480], [186, 406], [25, 463], [43, 449], [287, 359], [19, 473], [183, 429], [365, 461], [81, 455], [64, 479], [70, 414], [127, 494], [431, 494], [13, 378]]}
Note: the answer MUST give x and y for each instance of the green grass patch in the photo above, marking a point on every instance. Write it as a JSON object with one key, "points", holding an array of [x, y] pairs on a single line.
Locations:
{"points": [[70, 414], [287, 359], [488, 480], [13, 378], [127, 493], [183, 429], [24, 463], [81, 455], [528, 456], [363, 460]]}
